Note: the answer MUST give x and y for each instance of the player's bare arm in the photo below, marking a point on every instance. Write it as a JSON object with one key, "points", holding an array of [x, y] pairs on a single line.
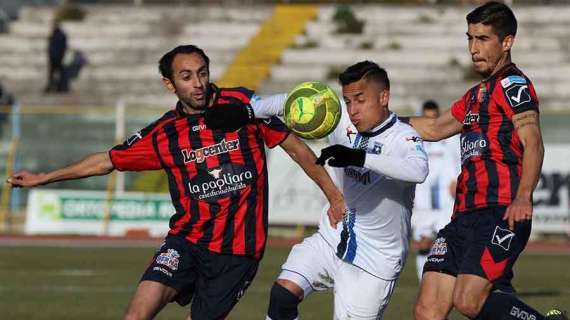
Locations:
{"points": [[528, 128], [435, 129], [305, 157], [95, 164]]}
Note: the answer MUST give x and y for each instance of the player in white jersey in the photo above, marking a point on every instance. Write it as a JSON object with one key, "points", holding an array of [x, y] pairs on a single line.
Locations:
{"points": [[434, 200], [377, 162]]}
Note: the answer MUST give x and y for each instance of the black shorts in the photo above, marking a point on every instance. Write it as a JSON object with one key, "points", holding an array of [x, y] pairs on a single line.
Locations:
{"points": [[212, 282], [479, 242]]}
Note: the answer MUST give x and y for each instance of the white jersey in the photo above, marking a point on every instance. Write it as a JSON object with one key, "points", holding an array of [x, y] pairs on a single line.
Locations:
{"points": [[444, 167], [374, 235]]}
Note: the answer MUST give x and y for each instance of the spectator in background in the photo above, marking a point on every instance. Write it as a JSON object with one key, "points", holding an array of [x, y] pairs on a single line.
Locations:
{"points": [[6, 100], [57, 46], [434, 200]]}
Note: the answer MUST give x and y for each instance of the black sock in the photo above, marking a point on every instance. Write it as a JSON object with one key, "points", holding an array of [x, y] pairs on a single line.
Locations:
{"points": [[506, 306], [282, 304]]}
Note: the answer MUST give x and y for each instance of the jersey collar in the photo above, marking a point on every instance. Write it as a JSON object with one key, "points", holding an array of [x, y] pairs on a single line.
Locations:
{"points": [[387, 124]]}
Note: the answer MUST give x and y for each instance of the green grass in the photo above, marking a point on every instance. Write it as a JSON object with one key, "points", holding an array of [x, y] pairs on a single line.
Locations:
{"points": [[96, 283]]}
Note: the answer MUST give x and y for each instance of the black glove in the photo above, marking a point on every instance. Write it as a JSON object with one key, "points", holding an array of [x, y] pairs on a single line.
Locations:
{"points": [[229, 117], [341, 156]]}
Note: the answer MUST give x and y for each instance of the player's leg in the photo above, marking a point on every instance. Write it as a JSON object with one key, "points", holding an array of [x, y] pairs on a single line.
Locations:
{"points": [[360, 295], [169, 277], [149, 298], [309, 267], [435, 297], [483, 289], [223, 281]]}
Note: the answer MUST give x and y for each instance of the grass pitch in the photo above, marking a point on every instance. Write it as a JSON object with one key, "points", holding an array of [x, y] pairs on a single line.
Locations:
{"points": [[96, 283]]}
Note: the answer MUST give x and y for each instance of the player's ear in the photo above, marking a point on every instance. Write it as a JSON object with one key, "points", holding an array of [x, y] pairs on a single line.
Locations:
{"points": [[169, 85], [384, 97], [508, 42]]}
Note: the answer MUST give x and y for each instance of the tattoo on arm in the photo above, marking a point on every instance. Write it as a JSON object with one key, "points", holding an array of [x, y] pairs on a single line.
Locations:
{"points": [[525, 120]]}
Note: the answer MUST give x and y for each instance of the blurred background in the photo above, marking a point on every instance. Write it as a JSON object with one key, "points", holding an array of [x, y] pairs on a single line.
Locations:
{"points": [[108, 87]]}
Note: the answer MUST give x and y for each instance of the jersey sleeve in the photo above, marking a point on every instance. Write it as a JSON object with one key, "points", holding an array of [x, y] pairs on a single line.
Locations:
{"points": [[137, 153], [273, 131], [406, 162], [517, 95], [269, 106], [458, 109]]}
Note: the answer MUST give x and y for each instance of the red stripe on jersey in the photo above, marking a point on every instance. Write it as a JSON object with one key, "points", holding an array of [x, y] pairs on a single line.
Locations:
{"points": [[235, 94], [164, 150], [482, 183]]}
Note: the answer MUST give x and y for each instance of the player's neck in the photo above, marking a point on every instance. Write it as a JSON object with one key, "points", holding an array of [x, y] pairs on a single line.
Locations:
{"points": [[504, 61]]}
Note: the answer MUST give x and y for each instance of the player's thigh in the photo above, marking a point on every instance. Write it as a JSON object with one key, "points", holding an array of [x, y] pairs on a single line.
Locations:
{"points": [[360, 295], [470, 293], [494, 248], [149, 298], [223, 280], [435, 297], [169, 277], [311, 265]]}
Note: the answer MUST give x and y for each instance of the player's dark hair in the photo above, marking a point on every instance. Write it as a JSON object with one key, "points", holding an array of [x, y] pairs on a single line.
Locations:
{"points": [[430, 105], [497, 15], [364, 70], [165, 63]]}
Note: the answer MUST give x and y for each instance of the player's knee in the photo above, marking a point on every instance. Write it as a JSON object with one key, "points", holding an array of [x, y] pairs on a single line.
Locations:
{"points": [[134, 315], [282, 303], [466, 305], [424, 312]]}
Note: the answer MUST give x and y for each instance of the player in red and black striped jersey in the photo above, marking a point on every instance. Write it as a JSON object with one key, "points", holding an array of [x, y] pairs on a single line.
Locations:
{"points": [[218, 184], [470, 263]]}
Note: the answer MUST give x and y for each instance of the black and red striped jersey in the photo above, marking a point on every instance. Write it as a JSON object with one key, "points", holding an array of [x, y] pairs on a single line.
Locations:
{"points": [[491, 150], [217, 180]]}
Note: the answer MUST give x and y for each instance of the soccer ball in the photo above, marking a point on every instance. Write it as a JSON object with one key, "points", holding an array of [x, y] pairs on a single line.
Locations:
{"points": [[312, 110]]}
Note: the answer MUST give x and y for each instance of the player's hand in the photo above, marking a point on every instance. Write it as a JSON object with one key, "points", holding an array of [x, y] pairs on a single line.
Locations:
{"points": [[519, 210], [26, 179], [341, 156], [229, 117], [336, 211]]}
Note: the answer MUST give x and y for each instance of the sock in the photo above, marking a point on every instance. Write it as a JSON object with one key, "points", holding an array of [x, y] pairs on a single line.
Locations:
{"points": [[506, 306], [282, 304], [420, 261]]}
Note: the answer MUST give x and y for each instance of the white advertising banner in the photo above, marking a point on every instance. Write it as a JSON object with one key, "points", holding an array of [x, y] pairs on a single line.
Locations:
{"points": [[82, 212]]}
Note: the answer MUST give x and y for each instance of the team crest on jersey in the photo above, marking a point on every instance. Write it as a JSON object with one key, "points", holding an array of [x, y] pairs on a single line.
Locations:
{"points": [[170, 259], [376, 148], [439, 247]]}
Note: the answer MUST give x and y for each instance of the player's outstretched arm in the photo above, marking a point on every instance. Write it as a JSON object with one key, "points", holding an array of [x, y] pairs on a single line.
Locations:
{"points": [[527, 126], [305, 157], [95, 164], [238, 114], [435, 129]]}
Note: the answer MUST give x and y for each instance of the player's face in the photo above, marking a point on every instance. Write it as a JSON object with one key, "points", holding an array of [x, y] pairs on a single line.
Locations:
{"points": [[488, 52], [366, 103], [191, 79]]}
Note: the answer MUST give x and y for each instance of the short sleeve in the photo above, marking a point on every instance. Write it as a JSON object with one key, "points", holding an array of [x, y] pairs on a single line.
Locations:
{"points": [[517, 95], [458, 109], [273, 131], [137, 153]]}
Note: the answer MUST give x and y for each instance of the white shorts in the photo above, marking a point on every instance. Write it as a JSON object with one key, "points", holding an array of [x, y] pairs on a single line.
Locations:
{"points": [[313, 266], [427, 223]]}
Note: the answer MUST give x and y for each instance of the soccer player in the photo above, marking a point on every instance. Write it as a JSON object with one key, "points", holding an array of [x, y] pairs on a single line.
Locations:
{"points": [[470, 265], [377, 161], [433, 203], [218, 184]]}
